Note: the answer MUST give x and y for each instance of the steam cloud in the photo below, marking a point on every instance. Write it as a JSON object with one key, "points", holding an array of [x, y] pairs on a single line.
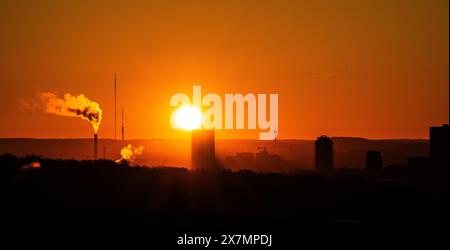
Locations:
{"points": [[75, 106], [129, 153]]}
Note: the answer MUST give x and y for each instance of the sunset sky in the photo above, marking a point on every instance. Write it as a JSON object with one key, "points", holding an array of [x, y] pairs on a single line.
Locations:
{"points": [[375, 69]]}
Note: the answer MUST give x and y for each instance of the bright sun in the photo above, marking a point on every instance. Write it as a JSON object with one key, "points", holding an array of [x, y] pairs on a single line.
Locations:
{"points": [[187, 118]]}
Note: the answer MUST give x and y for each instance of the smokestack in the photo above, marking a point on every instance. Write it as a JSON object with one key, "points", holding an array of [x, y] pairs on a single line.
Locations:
{"points": [[95, 146], [123, 128]]}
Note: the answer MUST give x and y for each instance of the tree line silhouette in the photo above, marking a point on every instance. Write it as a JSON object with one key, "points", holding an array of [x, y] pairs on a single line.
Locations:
{"points": [[104, 195]]}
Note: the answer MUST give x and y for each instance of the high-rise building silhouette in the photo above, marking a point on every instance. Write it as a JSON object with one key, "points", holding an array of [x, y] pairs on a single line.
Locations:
{"points": [[324, 153], [242, 160], [439, 146], [418, 162], [267, 162], [203, 149], [374, 160]]}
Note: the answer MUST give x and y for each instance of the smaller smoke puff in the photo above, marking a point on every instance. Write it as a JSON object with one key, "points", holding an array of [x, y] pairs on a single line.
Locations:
{"points": [[129, 153], [75, 106]]}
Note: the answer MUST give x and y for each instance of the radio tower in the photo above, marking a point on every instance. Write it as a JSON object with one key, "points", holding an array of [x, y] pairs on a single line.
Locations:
{"points": [[123, 128], [115, 107]]}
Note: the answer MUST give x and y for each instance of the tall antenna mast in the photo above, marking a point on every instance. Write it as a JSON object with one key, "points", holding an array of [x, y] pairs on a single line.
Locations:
{"points": [[115, 107], [123, 128]]}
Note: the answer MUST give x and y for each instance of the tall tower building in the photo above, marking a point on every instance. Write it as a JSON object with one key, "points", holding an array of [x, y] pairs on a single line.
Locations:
{"points": [[203, 154], [374, 160], [439, 146], [324, 154]]}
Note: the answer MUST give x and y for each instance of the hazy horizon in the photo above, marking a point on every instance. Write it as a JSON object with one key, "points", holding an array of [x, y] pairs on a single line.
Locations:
{"points": [[181, 138]]}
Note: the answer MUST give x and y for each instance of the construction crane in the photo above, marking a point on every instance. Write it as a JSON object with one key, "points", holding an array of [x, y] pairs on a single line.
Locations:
{"points": [[264, 148]]}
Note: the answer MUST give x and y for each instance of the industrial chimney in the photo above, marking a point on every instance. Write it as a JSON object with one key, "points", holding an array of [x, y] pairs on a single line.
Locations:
{"points": [[95, 146]]}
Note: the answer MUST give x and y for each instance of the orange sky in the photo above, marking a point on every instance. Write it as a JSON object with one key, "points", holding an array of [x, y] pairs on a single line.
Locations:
{"points": [[376, 69]]}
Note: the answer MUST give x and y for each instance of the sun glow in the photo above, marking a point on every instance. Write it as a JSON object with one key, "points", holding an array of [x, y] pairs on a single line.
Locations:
{"points": [[187, 118]]}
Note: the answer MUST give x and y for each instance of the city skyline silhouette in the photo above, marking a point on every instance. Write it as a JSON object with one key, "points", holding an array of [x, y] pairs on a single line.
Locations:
{"points": [[225, 123]]}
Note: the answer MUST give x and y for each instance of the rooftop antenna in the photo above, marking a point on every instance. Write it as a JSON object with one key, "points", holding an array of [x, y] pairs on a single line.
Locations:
{"points": [[123, 128], [115, 107]]}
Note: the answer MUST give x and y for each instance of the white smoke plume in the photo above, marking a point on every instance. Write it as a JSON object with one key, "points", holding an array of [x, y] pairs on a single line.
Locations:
{"points": [[75, 106], [129, 153]]}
